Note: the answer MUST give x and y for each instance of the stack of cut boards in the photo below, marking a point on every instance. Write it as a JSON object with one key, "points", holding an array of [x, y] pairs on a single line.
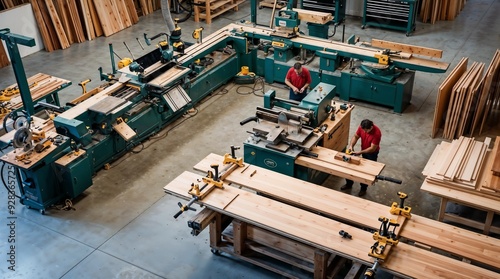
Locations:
{"points": [[435, 10], [286, 212], [468, 97], [467, 165], [7, 4], [64, 22]]}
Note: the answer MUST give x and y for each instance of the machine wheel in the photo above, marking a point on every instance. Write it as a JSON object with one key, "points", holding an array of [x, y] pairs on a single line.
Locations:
{"points": [[363, 26], [42, 211], [215, 251], [407, 34]]}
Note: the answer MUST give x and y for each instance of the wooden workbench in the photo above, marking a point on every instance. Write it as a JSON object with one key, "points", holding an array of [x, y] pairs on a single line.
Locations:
{"points": [[321, 232], [362, 213]]}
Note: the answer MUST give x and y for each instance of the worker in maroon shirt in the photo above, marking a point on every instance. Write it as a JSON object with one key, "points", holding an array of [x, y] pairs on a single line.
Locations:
{"points": [[370, 145], [298, 79]]}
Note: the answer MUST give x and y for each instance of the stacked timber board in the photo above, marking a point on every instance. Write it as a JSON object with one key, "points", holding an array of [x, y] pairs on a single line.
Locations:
{"points": [[64, 22], [209, 9], [464, 164], [8, 4], [434, 10], [287, 219], [468, 97]]}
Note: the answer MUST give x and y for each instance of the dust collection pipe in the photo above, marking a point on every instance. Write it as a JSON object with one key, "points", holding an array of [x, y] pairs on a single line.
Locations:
{"points": [[167, 16]]}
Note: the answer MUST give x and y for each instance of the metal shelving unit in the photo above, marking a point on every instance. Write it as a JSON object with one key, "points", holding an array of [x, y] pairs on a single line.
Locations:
{"points": [[392, 14]]}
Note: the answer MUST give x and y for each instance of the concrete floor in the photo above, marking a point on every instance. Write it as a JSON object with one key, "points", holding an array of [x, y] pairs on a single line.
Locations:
{"points": [[123, 226]]}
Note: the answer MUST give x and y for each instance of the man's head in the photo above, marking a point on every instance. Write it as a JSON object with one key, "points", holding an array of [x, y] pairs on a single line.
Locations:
{"points": [[298, 68], [366, 125]]}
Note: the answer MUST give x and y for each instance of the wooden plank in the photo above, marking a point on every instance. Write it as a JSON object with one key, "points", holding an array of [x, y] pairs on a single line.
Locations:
{"points": [[87, 20], [487, 81], [316, 230], [493, 87], [95, 19], [132, 11], [44, 30], [47, 14], [77, 23], [123, 11], [444, 94], [65, 20], [4, 60], [430, 52], [313, 16]]}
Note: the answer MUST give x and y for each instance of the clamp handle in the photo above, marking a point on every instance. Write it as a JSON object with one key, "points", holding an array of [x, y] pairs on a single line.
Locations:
{"points": [[390, 179]]}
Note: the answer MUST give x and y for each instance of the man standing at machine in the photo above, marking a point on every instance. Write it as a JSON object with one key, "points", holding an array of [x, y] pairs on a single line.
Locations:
{"points": [[370, 145], [298, 79]]}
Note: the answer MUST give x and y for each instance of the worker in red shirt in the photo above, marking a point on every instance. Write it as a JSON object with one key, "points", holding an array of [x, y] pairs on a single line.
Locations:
{"points": [[370, 145], [298, 79]]}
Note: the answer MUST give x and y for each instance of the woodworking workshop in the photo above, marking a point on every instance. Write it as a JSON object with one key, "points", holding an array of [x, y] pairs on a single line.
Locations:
{"points": [[250, 139]]}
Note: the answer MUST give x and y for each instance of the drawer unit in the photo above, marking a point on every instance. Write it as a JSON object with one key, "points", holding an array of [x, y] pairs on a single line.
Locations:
{"points": [[392, 14]]}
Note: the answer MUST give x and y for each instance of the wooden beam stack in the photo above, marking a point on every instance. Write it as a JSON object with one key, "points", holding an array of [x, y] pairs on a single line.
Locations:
{"points": [[434, 10], [463, 164]]}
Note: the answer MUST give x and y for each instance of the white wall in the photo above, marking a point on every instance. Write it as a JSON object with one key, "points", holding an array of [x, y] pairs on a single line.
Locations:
{"points": [[21, 20]]}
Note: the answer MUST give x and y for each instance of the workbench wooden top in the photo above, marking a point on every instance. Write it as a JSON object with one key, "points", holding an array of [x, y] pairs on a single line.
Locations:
{"points": [[361, 212], [322, 232]]}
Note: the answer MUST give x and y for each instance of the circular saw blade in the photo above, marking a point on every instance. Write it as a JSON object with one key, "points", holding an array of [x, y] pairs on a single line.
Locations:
{"points": [[21, 138]]}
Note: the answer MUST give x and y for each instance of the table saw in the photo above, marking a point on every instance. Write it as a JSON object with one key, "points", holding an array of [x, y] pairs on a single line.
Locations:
{"points": [[141, 96]]}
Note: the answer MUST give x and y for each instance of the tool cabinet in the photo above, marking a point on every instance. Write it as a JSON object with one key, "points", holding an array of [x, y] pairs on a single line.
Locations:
{"points": [[397, 94], [392, 14]]}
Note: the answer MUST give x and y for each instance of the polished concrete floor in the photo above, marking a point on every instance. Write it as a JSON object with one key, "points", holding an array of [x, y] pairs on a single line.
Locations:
{"points": [[123, 226]]}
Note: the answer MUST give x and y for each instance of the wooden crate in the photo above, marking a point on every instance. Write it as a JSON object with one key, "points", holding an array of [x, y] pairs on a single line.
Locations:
{"points": [[213, 8]]}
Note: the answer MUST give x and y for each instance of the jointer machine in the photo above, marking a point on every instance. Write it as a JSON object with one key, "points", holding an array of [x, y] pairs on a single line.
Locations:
{"points": [[143, 95]]}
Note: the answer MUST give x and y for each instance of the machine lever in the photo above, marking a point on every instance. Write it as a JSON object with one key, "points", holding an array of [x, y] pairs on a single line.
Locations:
{"points": [[252, 118], [390, 179]]}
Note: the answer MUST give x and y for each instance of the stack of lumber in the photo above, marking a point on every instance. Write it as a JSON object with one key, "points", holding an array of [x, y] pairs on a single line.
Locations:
{"points": [[464, 164], [7, 4], [462, 95], [490, 94], [435, 10], [468, 98], [64, 22]]}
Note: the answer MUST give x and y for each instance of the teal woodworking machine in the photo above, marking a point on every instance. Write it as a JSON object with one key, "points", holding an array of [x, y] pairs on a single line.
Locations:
{"points": [[286, 129], [54, 158]]}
